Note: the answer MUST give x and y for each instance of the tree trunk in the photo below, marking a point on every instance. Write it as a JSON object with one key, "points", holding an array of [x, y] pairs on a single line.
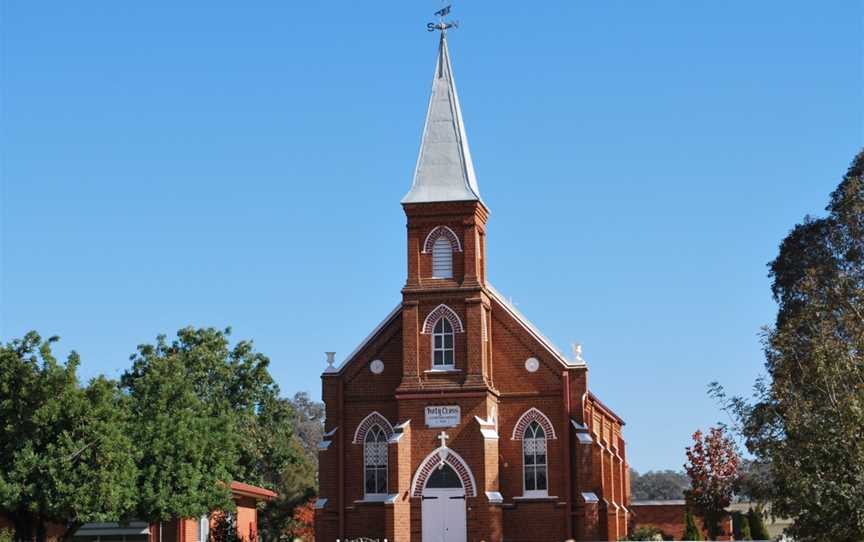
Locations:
{"points": [[23, 522], [41, 530], [71, 528]]}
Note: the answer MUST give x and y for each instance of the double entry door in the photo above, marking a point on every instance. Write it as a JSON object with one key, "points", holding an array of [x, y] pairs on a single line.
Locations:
{"points": [[444, 515]]}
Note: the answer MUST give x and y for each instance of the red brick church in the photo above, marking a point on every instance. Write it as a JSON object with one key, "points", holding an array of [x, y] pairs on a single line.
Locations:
{"points": [[456, 420]]}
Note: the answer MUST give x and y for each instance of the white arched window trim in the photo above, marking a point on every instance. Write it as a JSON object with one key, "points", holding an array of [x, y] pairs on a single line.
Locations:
{"points": [[442, 311], [445, 232], [451, 458], [367, 423], [531, 415]]}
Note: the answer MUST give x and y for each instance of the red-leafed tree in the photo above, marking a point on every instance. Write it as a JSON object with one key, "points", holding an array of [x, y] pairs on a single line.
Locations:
{"points": [[712, 465], [303, 523]]}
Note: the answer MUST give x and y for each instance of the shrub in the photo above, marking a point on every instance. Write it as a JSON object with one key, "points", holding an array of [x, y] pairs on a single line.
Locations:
{"points": [[691, 530], [646, 532], [758, 529], [745, 529]]}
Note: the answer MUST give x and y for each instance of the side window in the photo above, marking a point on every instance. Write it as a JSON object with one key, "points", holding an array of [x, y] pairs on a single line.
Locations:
{"points": [[443, 352], [534, 455], [442, 259], [375, 462]]}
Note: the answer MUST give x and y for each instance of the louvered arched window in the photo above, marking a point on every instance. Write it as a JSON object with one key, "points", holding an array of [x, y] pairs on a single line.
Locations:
{"points": [[443, 350], [442, 259], [534, 455], [375, 462]]}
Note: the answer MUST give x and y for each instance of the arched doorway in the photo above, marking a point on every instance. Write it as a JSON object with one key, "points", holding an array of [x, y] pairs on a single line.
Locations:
{"points": [[444, 511]]}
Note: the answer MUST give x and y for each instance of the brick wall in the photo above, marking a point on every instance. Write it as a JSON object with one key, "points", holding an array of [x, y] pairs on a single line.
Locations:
{"points": [[669, 518]]}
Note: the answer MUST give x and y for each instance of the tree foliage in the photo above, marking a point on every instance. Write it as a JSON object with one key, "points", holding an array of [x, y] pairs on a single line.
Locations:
{"points": [[712, 465], [658, 485], [222, 404], [308, 423], [66, 456], [806, 418], [754, 481], [188, 439], [187, 418], [303, 523]]}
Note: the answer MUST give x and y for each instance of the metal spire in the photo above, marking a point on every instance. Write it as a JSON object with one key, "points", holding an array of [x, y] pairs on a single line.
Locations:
{"points": [[444, 169]]}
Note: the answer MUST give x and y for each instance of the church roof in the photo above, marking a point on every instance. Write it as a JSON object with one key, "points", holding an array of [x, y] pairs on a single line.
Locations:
{"points": [[444, 169], [535, 332]]}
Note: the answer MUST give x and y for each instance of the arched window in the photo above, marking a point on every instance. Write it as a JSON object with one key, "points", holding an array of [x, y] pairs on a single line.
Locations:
{"points": [[442, 259], [443, 477], [443, 353], [375, 462], [534, 454]]}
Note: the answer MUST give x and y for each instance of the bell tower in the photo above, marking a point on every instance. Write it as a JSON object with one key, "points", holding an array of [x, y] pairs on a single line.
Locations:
{"points": [[446, 309]]}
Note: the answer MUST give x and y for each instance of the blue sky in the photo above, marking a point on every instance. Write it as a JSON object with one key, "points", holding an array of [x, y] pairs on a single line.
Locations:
{"points": [[216, 164]]}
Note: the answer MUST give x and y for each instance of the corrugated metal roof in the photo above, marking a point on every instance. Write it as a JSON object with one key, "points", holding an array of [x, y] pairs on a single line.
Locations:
{"points": [[444, 169]]}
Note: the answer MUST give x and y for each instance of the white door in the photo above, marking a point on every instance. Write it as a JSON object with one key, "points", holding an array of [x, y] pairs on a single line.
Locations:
{"points": [[443, 511]]}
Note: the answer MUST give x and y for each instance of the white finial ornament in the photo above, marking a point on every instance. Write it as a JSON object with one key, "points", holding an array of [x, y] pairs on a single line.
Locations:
{"points": [[331, 359], [577, 353]]}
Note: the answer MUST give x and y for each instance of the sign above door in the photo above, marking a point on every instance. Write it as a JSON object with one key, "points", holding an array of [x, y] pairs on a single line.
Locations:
{"points": [[443, 416]]}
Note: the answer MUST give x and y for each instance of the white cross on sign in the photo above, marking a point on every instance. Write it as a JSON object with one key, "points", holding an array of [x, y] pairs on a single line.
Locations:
{"points": [[443, 438]]}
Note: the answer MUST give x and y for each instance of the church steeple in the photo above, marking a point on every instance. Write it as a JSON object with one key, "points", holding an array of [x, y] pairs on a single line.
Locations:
{"points": [[444, 169]]}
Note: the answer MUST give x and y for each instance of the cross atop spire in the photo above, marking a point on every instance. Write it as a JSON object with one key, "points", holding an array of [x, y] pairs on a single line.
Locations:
{"points": [[444, 169]]}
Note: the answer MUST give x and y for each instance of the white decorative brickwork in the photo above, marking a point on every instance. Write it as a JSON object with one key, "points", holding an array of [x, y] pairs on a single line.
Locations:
{"points": [[531, 415], [442, 311], [445, 232], [368, 422]]}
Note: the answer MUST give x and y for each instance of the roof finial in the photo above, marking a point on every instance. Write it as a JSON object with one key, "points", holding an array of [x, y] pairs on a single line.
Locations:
{"points": [[331, 359], [442, 25]]}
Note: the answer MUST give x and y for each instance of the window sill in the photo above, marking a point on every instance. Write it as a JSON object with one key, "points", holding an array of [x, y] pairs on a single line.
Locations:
{"points": [[373, 499], [442, 371], [538, 498]]}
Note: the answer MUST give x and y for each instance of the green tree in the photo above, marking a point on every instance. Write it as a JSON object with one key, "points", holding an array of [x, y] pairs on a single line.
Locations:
{"points": [[658, 485], [754, 481], [756, 521], [805, 418], [212, 412], [691, 530], [66, 455], [189, 446]]}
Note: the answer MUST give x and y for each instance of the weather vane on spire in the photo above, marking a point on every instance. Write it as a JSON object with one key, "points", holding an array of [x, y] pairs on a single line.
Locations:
{"points": [[442, 25]]}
